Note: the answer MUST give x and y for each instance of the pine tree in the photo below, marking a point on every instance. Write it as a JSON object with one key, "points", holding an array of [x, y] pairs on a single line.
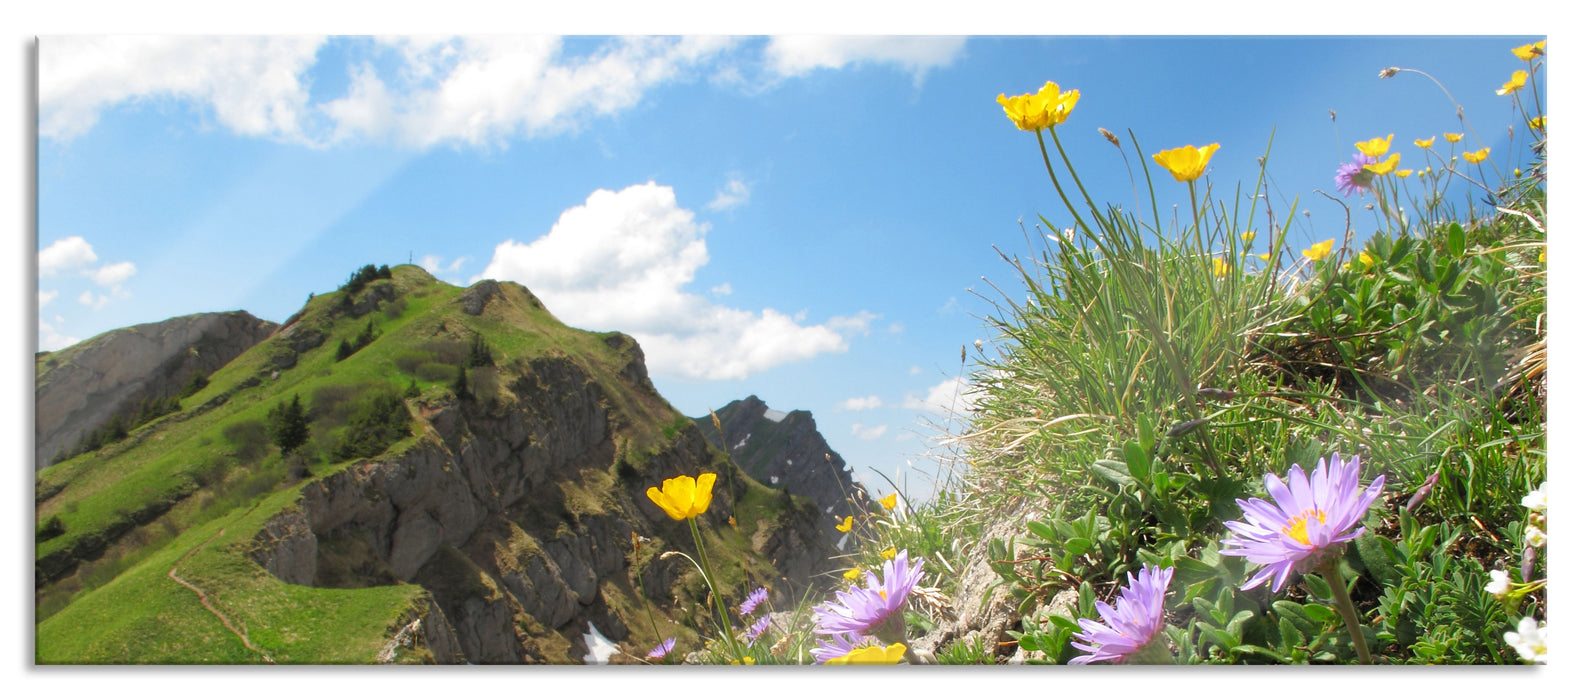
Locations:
{"points": [[479, 355], [460, 386], [290, 425]]}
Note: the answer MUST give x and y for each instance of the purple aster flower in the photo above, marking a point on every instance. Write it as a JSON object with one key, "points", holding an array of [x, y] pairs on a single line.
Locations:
{"points": [[757, 629], [1352, 178], [836, 646], [754, 599], [1138, 615], [866, 610], [1309, 521], [663, 649]]}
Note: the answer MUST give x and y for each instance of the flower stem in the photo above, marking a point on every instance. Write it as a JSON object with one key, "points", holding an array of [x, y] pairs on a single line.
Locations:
{"points": [[1337, 587], [719, 601], [1045, 150]]}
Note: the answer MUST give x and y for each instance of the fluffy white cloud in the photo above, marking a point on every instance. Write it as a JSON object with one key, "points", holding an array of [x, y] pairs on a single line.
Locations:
{"points": [[479, 91], [861, 403], [45, 296], [722, 289], [65, 254], [797, 54], [947, 398], [113, 275], [254, 85], [436, 264], [622, 261], [91, 300], [864, 432], [734, 194], [51, 339]]}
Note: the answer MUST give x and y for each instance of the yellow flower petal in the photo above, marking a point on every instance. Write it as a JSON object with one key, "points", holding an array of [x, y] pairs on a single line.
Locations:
{"points": [[1477, 156], [1048, 107], [844, 526], [1365, 259], [744, 661], [1187, 162], [853, 574], [1318, 250], [1517, 81], [1375, 147], [1264, 257], [1538, 122], [1220, 268], [1248, 236], [1453, 138], [1404, 173], [1384, 167], [871, 655], [1425, 143], [888, 501], [1528, 52], [888, 553], [684, 497], [665, 503]]}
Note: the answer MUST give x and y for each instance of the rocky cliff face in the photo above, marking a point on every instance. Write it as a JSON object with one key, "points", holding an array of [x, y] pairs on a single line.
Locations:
{"points": [[518, 515], [786, 451], [79, 389]]}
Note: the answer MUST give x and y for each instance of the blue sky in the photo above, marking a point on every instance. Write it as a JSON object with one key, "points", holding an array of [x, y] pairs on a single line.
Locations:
{"points": [[805, 219]]}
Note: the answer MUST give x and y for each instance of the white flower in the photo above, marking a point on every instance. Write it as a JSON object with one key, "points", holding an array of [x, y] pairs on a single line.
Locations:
{"points": [[1499, 583], [1531, 640], [1535, 537], [1538, 500]]}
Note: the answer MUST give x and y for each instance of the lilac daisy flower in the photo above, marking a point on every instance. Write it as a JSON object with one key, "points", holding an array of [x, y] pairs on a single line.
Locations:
{"points": [[1309, 521], [1128, 627], [754, 599], [836, 646], [758, 628], [1352, 178], [867, 610], [663, 649]]}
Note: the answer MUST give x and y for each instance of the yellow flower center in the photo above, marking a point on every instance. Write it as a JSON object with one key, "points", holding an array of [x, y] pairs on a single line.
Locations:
{"points": [[1296, 527]]}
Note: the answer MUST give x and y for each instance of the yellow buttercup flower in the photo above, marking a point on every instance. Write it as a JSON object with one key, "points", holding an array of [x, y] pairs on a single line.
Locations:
{"points": [[1528, 52], [1384, 167], [1248, 236], [1187, 162], [1453, 138], [744, 661], [871, 656], [1318, 250], [1220, 268], [853, 574], [1264, 257], [1048, 107], [844, 526], [1477, 156], [1518, 79], [1375, 147], [1538, 122], [683, 497], [888, 501], [1543, 256], [1365, 259], [1425, 143], [888, 553], [1404, 173]]}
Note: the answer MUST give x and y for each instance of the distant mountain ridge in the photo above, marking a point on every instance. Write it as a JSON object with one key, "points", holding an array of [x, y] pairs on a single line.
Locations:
{"points": [[79, 389], [786, 451]]}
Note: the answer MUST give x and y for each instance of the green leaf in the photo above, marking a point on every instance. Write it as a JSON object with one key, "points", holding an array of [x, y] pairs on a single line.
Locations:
{"points": [[1290, 638], [1318, 586], [1456, 240], [1319, 613], [1111, 475], [1078, 546], [1376, 558], [1136, 461], [1042, 531]]}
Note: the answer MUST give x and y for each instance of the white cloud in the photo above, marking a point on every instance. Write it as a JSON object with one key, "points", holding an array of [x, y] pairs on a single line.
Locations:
{"points": [[864, 432], [45, 296], [253, 84], [861, 403], [51, 339], [948, 397], [435, 264], [721, 290], [734, 194], [915, 370], [91, 300], [113, 275], [482, 90], [798, 54], [622, 261], [896, 327], [65, 254]]}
